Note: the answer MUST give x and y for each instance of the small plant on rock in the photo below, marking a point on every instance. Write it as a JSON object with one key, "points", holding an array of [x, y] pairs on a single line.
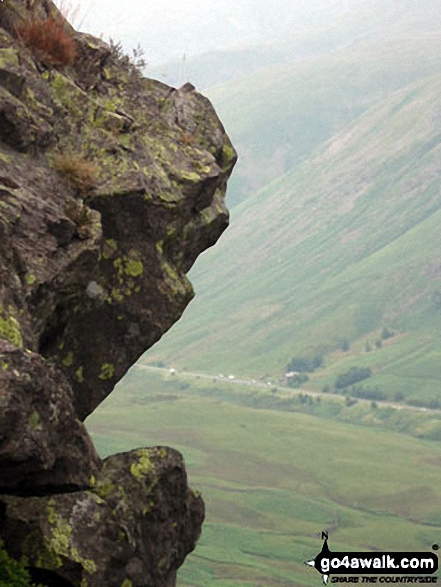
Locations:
{"points": [[49, 39], [134, 64], [79, 173], [12, 573], [79, 213]]}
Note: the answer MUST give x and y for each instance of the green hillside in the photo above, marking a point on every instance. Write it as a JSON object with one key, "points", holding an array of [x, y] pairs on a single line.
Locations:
{"points": [[273, 480], [278, 116], [344, 245]]}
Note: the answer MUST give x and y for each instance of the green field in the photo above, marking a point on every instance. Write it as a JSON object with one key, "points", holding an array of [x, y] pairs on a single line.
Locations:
{"points": [[272, 480]]}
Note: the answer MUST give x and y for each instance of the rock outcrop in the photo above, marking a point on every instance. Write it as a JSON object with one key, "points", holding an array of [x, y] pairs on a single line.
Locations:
{"points": [[135, 526], [110, 186]]}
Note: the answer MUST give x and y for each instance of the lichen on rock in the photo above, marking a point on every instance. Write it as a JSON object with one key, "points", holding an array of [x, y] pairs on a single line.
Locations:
{"points": [[91, 275], [140, 504]]}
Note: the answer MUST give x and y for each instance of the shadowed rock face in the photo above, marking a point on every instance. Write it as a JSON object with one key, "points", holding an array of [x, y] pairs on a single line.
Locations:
{"points": [[43, 446], [110, 187]]}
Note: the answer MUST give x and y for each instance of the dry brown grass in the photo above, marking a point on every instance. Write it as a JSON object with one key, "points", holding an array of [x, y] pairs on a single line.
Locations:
{"points": [[79, 173], [187, 138], [49, 39]]}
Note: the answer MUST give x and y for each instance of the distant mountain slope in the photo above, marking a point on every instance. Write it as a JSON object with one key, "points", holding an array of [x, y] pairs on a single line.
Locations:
{"points": [[346, 243], [278, 116], [248, 37]]}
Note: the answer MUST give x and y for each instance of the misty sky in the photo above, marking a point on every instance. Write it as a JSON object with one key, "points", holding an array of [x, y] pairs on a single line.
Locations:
{"points": [[167, 29]]}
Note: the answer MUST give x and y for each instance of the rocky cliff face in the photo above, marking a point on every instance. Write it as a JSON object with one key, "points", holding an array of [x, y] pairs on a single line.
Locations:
{"points": [[110, 187]]}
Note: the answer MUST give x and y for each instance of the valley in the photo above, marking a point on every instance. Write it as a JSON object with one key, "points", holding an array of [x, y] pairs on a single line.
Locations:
{"points": [[330, 269], [273, 479], [349, 246]]}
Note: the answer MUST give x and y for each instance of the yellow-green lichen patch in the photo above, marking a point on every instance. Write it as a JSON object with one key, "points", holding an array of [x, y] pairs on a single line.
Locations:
{"points": [[30, 279], [125, 139], [207, 215], [110, 247], [203, 169], [170, 198], [115, 296], [129, 266], [148, 508], [228, 153], [104, 488], [10, 329], [134, 268], [34, 420], [59, 543], [34, 549], [60, 87], [68, 359], [8, 58], [107, 371], [144, 466], [170, 271], [190, 176], [118, 264], [88, 564], [4, 366], [79, 375], [174, 284], [5, 158], [126, 583], [71, 96]]}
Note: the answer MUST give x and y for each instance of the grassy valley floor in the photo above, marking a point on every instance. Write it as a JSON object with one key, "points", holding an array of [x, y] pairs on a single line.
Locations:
{"points": [[273, 479]]}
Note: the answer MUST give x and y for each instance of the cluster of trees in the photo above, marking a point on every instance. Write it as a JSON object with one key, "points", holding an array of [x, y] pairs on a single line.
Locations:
{"points": [[345, 346], [385, 334], [306, 364], [372, 393], [354, 375], [431, 404], [297, 380], [436, 299]]}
